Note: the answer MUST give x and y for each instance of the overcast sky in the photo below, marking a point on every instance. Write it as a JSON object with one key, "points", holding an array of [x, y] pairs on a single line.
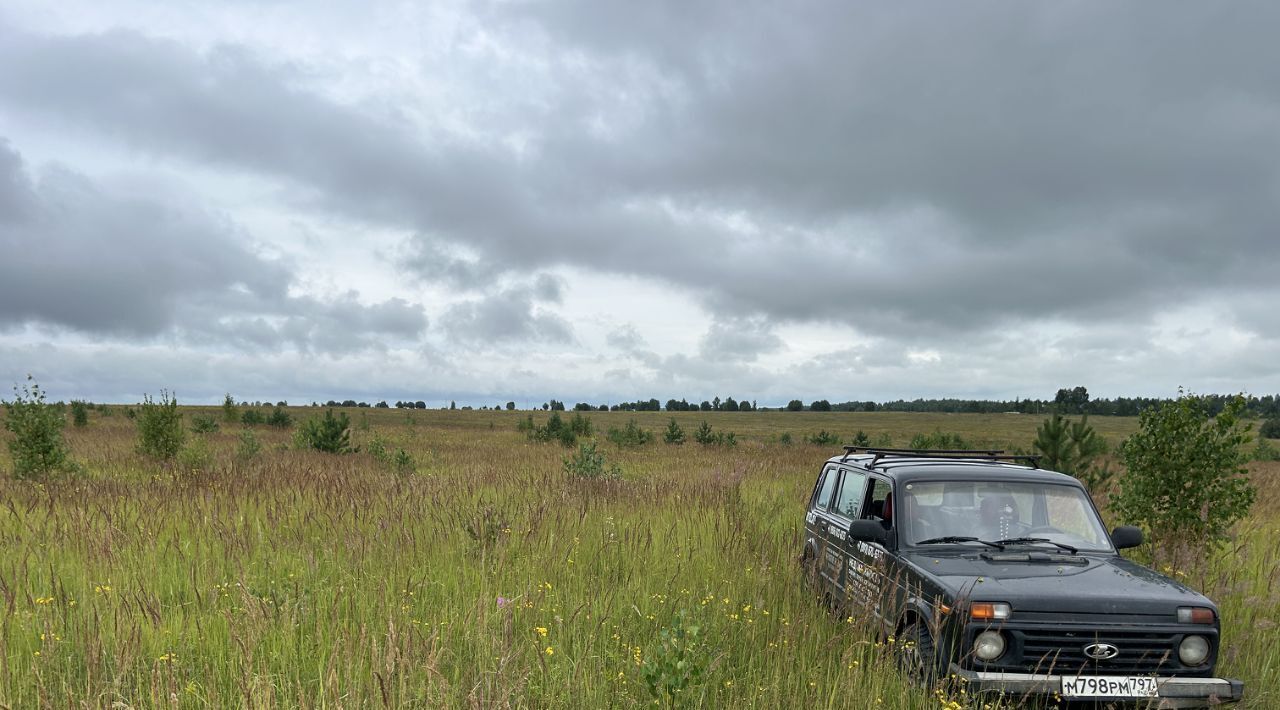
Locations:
{"points": [[598, 201]]}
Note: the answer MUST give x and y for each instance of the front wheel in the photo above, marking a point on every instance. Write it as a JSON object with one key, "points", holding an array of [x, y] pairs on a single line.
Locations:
{"points": [[917, 654]]}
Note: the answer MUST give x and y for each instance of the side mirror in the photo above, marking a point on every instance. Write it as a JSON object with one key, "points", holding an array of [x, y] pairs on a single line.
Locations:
{"points": [[1126, 536], [868, 531]]}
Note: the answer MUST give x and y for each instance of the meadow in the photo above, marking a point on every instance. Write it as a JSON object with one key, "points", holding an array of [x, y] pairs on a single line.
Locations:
{"points": [[487, 577]]}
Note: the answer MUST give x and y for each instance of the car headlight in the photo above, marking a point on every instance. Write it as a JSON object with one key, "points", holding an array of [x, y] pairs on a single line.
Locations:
{"points": [[1193, 650], [989, 645]]}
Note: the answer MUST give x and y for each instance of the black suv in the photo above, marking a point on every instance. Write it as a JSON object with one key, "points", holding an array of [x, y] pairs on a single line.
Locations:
{"points": [[985, 568]]}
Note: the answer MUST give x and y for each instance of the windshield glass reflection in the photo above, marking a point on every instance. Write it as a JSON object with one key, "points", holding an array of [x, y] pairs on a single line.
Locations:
{"points": [[1000, 510]]}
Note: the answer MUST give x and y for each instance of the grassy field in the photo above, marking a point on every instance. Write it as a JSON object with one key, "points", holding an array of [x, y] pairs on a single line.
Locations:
{"points": [[488, 578]]}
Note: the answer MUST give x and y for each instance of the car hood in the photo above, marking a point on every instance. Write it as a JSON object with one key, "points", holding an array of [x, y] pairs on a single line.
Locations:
{"points": [[1037, 581]]}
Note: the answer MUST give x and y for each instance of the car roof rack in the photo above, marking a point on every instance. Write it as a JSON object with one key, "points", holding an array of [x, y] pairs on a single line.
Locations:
{"points": [[879, 453]]}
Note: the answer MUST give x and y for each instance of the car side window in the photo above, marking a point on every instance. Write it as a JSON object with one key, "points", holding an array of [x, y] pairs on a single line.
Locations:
{"points": [[880, 502], [852, 487], [822, 499]]}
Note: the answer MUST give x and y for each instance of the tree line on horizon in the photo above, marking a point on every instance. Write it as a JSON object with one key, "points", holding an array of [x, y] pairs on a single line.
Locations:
{"points": [[1073, 400]]}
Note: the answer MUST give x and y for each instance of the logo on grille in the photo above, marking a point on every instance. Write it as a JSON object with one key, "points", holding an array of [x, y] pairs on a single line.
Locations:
{"points": [[1101, 651]]}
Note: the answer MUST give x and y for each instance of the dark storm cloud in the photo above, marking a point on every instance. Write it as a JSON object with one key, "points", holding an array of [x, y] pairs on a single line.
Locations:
{"points": [[79, 255], [108, 260], [902, 169]]}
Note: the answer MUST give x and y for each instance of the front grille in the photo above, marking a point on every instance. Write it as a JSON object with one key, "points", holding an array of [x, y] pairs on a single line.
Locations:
{"points": [[1060, 651]]}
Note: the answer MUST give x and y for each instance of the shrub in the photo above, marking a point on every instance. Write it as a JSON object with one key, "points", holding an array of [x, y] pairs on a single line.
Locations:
{"points": [[248, 447], [38, 447], [823, 438], [1185, 479], [861, 439], [252, 417], [79, 413], [674, 435], [377, 448], [705, 436], [785, 439], [1270, 428], [1264, 451], [195, 456], [580, 425], [939, 440], [630, 435], [229, 414], [203, 424], [676, 663], [279, 418], [487, 527], [403, 462], [554, 430], [160, 433], [331, 434], [1073, 448], [589, 463]]}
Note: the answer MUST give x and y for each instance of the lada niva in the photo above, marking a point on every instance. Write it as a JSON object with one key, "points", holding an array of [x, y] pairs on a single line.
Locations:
{"points": [[989, 570]]}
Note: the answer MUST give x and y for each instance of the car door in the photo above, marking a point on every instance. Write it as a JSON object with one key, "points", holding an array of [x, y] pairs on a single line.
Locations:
{"points": [[818, 520], [845, 508], [869, 581]]}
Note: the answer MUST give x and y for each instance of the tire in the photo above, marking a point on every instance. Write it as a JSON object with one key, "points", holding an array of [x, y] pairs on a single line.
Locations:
{"points": [[917, 654], [809, 572]]}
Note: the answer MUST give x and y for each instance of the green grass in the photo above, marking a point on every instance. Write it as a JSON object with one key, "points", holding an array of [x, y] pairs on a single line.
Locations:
{"points": [[489, 578]]}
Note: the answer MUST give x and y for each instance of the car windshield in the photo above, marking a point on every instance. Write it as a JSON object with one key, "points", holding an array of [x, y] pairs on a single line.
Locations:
{"points": [[1000, 510]]}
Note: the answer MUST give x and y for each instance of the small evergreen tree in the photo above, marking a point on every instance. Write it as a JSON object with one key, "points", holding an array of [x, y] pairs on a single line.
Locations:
{"points": [[79, 413], [331, 434], [1270, 428], [674, 435], [587, 462], [1073, 448], [280, 419], [704, 434], [631, 435], [229, 414], [203, 424], [38, 447]]}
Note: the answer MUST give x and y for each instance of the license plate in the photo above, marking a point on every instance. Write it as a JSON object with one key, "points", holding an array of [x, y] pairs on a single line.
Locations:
{"points": [[1101, 686]]}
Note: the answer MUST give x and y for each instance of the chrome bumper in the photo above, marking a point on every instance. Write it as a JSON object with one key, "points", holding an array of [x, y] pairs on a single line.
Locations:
{"points": [[1171, 692]]}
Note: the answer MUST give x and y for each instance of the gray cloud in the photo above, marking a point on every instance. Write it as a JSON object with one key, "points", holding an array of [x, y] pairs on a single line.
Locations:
{"points": [[949, 156], [107, 260], [936, 175], [81, 255], [739, 339], [508, 315]]}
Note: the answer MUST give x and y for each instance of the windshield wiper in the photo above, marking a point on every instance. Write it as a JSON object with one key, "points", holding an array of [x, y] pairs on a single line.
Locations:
{"points": [[953, 539], [1028, 540]]}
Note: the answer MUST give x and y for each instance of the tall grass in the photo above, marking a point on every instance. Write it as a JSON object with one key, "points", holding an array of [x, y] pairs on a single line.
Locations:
{"points": [[491, 578]]}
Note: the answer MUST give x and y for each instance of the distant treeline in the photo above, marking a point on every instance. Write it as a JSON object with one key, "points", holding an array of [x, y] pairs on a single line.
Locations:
{"points": [[1075, 400]]}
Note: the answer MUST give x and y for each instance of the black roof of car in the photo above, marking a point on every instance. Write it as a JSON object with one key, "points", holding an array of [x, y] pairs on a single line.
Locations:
{"points": [[935, 464]]}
